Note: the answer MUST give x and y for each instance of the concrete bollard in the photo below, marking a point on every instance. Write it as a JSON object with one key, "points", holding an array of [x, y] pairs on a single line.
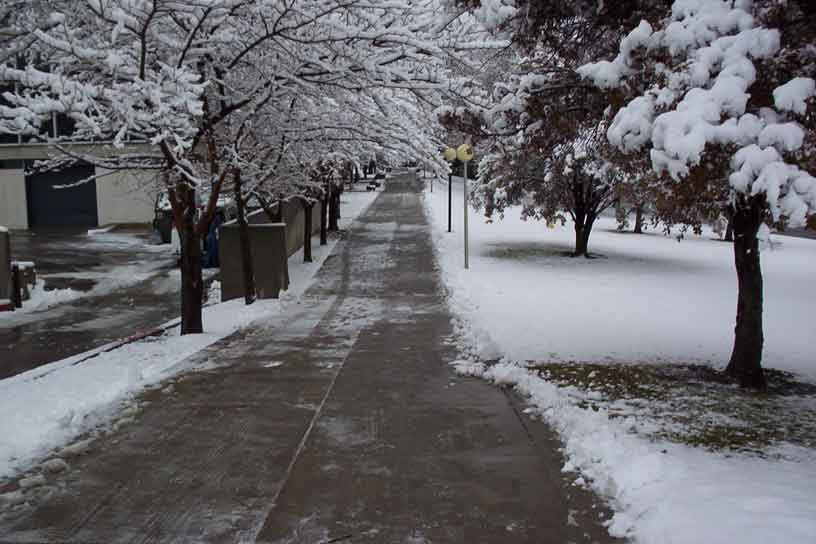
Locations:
{"points": [[16, 287], [5, 265]]}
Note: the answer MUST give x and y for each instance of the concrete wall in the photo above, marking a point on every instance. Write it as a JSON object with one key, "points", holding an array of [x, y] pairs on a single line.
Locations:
{"points": [[44, 151], [5, 266], [13, 210], [267, 245], [121, 197], [126, 197], [293, 216]]}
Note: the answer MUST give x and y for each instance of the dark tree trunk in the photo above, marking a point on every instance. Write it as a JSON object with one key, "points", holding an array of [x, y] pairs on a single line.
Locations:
{"points": [[639, 219], [584, 220], [324, 209], [243, 235], [340, 192], [192, 286], [334, 210], [729, 230], [307, 231], [338, 217], [583, 229], [746, 358]]}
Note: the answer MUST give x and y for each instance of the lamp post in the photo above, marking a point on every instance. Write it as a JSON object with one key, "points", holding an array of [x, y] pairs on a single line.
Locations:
{"points": [[465, 154], [450, 156]]}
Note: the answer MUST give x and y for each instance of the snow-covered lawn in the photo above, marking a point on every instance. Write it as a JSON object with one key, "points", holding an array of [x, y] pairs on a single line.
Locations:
{"points": [[646, 299], [47, 407]]}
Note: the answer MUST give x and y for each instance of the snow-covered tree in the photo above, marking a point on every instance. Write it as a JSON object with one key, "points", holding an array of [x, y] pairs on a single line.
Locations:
{"points": [[542, 126], [572, 181], [168, 75], [721, 94]]}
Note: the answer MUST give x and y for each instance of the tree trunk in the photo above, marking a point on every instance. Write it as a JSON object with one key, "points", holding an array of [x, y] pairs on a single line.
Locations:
{"points": [[192, 286], [324, 208], [582, 232], [639, 218], [340, 192], [334, 210], [307, 231], [583, 228], [746, 358], [243, 235]]}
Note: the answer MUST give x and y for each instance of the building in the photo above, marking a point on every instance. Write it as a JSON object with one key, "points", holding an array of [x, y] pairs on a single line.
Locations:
{"points": [[33, 200], [29, 200]]}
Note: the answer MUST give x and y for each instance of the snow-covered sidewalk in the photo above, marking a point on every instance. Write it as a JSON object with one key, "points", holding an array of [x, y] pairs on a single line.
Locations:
{"points": [[646, 299], [48, 406]]}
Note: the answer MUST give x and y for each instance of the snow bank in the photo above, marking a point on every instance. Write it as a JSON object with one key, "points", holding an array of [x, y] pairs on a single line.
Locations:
{"points": [[52, 404], [670, 493]]}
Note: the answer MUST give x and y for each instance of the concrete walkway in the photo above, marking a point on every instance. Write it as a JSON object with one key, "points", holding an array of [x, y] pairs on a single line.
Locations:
{"points": [[339, 423]]}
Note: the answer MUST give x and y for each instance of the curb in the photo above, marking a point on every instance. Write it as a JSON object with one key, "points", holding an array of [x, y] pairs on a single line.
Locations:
{"points": [[116, 344]]}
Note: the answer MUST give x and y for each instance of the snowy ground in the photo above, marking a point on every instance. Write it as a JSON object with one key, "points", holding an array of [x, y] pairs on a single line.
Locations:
{"points": [[47, 407], [647, 299]]}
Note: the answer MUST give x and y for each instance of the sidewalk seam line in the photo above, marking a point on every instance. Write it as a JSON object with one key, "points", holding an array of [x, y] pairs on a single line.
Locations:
{"points": [[302, 444]]}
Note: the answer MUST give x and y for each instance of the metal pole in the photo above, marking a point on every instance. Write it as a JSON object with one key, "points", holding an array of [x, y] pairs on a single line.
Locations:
{"points": [[467, 265], [450, 200]]}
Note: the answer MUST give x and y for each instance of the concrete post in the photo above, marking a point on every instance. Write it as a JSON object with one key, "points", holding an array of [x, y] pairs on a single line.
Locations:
{"points": [[16, 287]]}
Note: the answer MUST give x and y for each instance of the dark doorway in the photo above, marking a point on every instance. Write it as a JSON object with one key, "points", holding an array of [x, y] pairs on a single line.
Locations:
{"points": [[73, 206]]}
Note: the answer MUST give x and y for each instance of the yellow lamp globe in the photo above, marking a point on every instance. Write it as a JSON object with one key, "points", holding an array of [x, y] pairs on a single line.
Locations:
{"points": [[464, 152], [449, 154]]}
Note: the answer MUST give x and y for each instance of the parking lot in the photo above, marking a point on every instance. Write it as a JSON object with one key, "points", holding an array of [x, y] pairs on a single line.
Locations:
{"points": [[98, 288]]}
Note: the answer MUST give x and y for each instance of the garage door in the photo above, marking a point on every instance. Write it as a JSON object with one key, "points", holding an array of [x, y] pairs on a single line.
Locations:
{"points": [[50, 207]]}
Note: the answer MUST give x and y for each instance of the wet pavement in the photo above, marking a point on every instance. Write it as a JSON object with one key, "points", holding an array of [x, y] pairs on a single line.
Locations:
{"points": [[339, 422], [122, 284]]}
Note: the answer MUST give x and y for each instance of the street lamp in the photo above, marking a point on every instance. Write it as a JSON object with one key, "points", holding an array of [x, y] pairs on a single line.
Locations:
{"points": [[465, 154], [450, 156]]}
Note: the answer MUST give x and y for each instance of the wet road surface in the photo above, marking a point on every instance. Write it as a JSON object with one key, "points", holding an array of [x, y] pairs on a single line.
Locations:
{"points": [[339, 422], [127, 285]]}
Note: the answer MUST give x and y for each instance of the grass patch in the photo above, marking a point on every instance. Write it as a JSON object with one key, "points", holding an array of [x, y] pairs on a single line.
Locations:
{"points": [[695, 404], [528, 252]]}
